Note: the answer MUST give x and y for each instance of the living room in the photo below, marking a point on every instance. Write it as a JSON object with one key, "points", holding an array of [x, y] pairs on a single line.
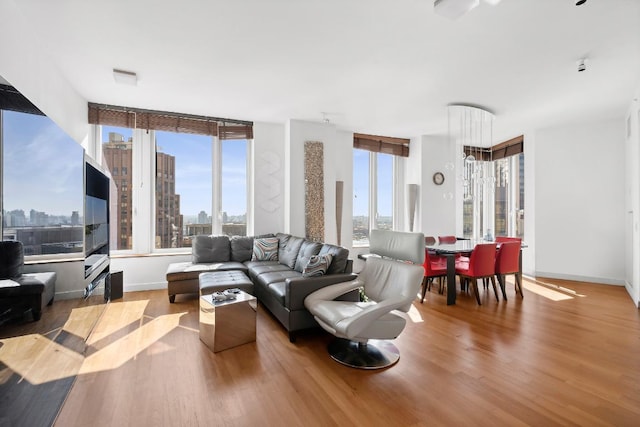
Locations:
{"points": [[581, 169]]}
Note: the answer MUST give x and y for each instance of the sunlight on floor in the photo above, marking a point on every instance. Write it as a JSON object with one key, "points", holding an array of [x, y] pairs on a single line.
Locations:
{"points": [[116, 316], [414, 315], [117, 353], [82, 320], [54, 361], [550, 291]]}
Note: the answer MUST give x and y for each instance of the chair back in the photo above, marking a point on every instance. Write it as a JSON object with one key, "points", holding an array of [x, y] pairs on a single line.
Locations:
{"points": [[429, 240], [397, 245], [502, 239], [483, 259], [393, 281], [11, 259], [447, 239], [508, 258], [428, 266], [397, 277]]}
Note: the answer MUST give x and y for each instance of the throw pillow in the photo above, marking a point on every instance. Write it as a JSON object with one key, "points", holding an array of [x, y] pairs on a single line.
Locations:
{"points": [[317, 265], [265, 249]]}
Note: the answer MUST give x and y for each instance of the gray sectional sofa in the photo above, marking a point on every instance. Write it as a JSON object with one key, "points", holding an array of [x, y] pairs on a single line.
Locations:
{"points": [[279, 285]]}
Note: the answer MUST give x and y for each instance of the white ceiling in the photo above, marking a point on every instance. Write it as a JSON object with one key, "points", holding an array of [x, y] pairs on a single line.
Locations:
{"points": [[382, 67]]}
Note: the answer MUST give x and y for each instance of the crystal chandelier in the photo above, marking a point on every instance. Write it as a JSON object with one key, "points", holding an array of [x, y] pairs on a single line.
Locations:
{"points": [[471, 133]]}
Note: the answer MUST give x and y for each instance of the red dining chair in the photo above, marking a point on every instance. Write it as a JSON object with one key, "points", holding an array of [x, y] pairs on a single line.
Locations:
{"points": [[447, 239], [502, 239], [481, 265], [508, 262], [433, 268]]}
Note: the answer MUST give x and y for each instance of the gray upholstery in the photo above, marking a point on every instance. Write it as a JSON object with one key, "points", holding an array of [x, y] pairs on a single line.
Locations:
{"points": [[266, 267], [288, 253], [35, 290], [241, 248], [221, 280], [266, 279], [397, 245], [340, 257], [210, 249], [389, 284], [307, 250], [12, 259], [278, 285]]}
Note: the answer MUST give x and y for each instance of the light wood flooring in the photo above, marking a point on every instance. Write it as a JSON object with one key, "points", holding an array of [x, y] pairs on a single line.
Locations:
{"points": [[566, 354]]}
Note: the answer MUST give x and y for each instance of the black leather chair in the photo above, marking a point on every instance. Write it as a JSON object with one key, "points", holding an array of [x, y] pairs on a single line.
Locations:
{"points": [[20, 292]]}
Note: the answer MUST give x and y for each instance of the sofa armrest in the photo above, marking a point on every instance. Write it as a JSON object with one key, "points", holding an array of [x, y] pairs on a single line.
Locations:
{"points": [[297, 288]]}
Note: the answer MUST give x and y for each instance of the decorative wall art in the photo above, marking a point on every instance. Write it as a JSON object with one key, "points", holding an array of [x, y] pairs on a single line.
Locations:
{"points": [[314, 190]]}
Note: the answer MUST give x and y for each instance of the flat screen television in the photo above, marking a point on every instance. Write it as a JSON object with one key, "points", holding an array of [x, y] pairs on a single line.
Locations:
{"points": [[96, 218]]}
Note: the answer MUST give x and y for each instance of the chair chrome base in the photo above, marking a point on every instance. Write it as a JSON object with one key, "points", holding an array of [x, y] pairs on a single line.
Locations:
{"points": [[374, 354]]}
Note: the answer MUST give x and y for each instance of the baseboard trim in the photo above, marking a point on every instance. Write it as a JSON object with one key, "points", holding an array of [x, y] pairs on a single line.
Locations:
{"points": [[70, 294], [576, 278], [149, 286]]}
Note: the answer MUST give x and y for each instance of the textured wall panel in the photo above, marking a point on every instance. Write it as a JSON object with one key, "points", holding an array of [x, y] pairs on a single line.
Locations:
{"points": [[314, 190]]}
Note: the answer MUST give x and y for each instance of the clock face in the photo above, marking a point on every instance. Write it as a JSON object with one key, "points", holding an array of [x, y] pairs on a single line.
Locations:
{"points": [[438, 178]]}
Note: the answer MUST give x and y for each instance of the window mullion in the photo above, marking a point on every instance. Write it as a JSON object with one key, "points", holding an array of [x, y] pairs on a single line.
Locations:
{"points": [[216, 187], [373, 190]]}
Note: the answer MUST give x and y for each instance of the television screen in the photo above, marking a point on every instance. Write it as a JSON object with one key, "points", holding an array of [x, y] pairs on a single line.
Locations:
{"points": [[96, 218]]}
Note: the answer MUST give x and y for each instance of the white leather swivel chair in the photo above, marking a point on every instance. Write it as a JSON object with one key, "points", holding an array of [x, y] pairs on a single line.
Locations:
{"points": [[391, 282]]}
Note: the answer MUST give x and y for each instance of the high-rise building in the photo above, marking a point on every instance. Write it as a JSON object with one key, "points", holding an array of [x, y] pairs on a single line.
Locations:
{"points": [[203, 218], [169, 230], [118, 155]]}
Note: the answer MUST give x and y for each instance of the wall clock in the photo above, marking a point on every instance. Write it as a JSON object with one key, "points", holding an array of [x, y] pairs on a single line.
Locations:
{"points": [[438, 178]]}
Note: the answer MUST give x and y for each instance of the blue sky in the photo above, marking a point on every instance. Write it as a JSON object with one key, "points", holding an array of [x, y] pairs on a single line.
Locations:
{"points": [[361, 183], [39, 156]]}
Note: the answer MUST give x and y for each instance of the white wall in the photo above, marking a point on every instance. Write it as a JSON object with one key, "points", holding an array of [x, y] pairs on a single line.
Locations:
{"points": [[145, 272], [28, 68], [268, 165], [299, 132], [438, 208], [579, 202], [632, 200]]}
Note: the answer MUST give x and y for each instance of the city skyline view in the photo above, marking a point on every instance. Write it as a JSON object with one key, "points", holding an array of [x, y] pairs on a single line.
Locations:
{"points": [[194, 170], [55, 161]]}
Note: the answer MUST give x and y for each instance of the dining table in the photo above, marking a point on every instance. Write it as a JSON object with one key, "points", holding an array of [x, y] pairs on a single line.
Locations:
{"points": [[462, 247]]}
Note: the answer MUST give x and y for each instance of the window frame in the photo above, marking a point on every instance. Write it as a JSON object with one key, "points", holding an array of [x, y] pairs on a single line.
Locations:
{"points": [[143, 197], [373, 192]]}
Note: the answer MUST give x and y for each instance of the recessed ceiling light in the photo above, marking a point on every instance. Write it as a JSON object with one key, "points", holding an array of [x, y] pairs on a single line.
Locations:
{"points": [[125, 77]]}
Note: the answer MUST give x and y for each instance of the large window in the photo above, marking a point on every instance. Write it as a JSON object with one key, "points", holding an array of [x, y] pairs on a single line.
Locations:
{"points": [[183, 188], [177, 175], [509, 196], [42, 181], [493, 203], [234, 187], [372, 194]]}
